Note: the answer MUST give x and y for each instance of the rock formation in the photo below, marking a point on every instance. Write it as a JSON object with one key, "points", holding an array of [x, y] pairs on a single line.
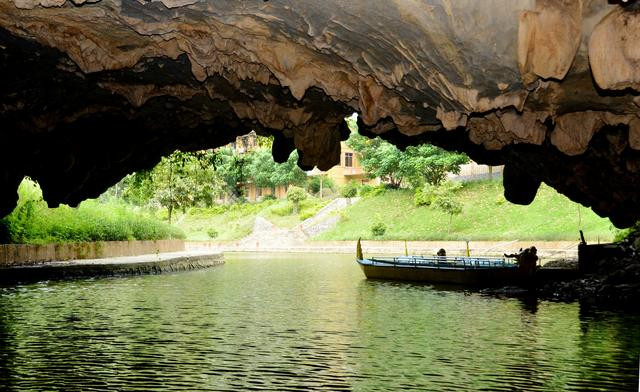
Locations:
{"points": [[92, 90]]}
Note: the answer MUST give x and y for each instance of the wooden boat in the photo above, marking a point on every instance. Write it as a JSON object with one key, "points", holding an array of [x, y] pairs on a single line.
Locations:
{"points": [[473, 271]]}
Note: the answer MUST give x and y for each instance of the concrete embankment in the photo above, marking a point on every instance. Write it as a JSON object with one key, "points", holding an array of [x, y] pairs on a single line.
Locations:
{"points": [[26, 254], [547, 250], [112, 266]]}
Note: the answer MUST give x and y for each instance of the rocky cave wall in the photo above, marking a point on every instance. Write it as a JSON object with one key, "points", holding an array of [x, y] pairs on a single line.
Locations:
{"points": [[92, 90]]}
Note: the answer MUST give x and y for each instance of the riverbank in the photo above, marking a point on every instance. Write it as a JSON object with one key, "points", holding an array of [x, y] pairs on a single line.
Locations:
{"points": [[113, 266], [547, 250]]}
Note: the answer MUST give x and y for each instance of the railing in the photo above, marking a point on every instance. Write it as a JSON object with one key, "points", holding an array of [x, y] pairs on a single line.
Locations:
{"points": [[446, 261]]}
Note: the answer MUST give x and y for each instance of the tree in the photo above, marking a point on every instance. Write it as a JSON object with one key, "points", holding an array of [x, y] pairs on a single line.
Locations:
{"points": [[450, 205], [233, 169], [414, 166], [261, 168], [289, 173], [431, 164], [442, 197], [185, 179], [295, 195]]}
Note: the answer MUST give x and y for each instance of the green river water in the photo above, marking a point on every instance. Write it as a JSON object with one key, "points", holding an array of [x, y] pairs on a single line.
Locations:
{"points": [[303, 322]]}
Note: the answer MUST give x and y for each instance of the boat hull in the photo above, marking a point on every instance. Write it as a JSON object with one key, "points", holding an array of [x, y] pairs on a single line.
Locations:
{"points": [[471, 277]]}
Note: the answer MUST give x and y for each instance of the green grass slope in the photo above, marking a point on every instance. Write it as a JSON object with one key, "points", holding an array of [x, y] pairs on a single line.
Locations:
{"points": [[486, 215], [235, 221]]}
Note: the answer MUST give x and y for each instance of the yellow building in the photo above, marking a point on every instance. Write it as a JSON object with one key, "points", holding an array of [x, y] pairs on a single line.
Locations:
{"points": [[349, 169]]}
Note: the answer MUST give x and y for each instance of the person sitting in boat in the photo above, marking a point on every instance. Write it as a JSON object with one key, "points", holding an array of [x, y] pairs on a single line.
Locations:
{"points": [[442, 255], [526, 258]]}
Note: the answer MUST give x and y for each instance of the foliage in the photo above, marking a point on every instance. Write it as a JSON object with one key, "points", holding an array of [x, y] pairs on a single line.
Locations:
{"points": [[233, 169], [212, 233], [378, 229], [350, 189], [440, 196], [295, 195], [414, 166], [621, 235], [282, 210], [368, 190], [196, 179], [33, 222], [310, 207], [264, 172], [184, 179], [288, 173], [313, 184]]}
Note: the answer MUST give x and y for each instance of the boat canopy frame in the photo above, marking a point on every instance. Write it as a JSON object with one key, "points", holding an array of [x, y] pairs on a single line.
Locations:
{"points": [[443, 262]]}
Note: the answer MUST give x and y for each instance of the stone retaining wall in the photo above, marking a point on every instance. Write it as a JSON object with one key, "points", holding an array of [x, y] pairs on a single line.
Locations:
{"points": [[121, 266], [20, 254]]}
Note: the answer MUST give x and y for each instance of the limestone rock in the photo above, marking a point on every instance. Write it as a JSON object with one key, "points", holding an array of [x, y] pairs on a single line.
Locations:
{"points": [[93, 92], [614, 52]]}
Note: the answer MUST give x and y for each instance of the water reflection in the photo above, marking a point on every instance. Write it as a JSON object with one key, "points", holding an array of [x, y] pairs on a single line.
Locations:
{"points": [[292, 323]]}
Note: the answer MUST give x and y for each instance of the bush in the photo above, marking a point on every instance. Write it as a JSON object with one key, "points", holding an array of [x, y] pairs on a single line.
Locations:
{"points": [[350, 189], [368, 190], [33, 222], [424, 196], [306, 215], [378, 229], [212, 233], [621, 235], [283, 210], [268, 197], [428, 194], [295, 195]]}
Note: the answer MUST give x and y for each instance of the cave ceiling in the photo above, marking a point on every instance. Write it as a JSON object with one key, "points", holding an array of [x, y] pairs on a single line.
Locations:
{"points": [[93, 90]]}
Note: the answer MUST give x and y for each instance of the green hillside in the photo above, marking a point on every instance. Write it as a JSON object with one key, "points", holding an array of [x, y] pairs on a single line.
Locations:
{"points": [[486, 215]]}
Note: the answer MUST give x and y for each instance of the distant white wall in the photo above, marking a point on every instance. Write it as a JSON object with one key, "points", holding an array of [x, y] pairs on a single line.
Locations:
{"points": [[472, 171]]}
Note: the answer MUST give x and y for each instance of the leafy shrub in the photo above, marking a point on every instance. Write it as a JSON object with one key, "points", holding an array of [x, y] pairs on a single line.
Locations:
{"points": [[366, 190], [428, 194], [283, 210], [295, 195], [33, 222], [306, 215], [373, 190], [621, 235], [424, 196], [212, 233], [350, 189], [378, 229], [268, 197]]}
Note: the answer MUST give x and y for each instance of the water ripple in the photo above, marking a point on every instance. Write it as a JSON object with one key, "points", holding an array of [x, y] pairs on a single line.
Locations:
{"points": [[299, 324]]}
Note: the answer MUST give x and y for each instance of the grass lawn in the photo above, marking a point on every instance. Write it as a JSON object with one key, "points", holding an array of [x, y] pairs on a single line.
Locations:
{"points": [[486, 215], [235, 221]]}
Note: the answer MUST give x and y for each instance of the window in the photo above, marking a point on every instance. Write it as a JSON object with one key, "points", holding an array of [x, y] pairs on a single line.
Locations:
{"points": [[348, 159]]}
